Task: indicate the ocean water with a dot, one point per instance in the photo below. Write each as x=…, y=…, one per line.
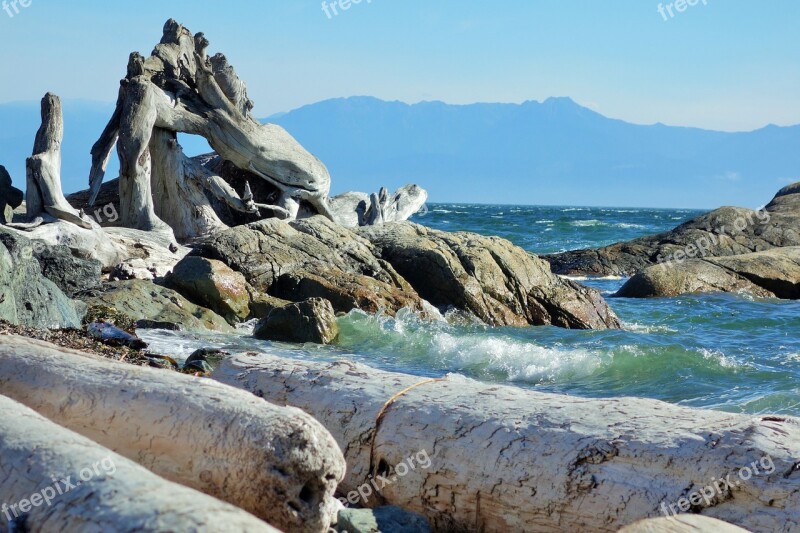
x=729, y=352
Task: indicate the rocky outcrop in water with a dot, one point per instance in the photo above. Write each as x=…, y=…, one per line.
x=773, y=273
x=393, y=266
x=723, y=232
x=489, y=277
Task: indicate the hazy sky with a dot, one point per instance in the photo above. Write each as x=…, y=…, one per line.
x=722, y=64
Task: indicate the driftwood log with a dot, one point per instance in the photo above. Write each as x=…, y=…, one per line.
x=275, y=462
x=52, y=479
x=179, y=89
x=43, y=193
x=506, y=459
x=686, y=523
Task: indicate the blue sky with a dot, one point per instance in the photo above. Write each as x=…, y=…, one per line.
x=725, y=64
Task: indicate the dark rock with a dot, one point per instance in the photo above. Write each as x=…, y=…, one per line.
x=142, y=300
x=114, y=336
x=26, y=297
x=10, y=197
x=162, y=361
x=153, y=324
x=773, y=273
x=71, y=274
x=390, y=519
x=262, y=304
x=724, y=232
x=499, y=283
x=310, y=321
x=214, y=285
x=204, y=360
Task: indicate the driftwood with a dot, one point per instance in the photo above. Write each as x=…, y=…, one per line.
x=179, y=89
x=43, y=194
x=52, y=479
x=506, y=459
x=690, y=523
x=275, y=462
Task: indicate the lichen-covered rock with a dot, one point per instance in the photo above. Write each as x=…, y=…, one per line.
x=27, y=298
x=722, y=232
x=312, y=258
x=772, y=273
x=70, y=273
x=498, y=282
x=312, y=320
x=143, y=300
x=214, y=285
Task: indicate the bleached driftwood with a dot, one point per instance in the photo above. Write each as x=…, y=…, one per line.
x=43, y=193
x=275, y=462
x=52, y=479
x=179, y=89
x=506, y=459
x=686, y=523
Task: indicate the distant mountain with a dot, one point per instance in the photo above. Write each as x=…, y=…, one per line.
x=553, y=152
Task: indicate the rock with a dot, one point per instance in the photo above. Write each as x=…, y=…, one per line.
x=143, y=300
x=27, y=298
x=499, y=283
x=84, y=243
x=773, y=273
x=10, y=197
x=154, y=324
x=312, y=320
x=723, y=232
x=204, y=360
x=390, y=519
x=262, y=304
x=683, y=523
x=71, y=274
x=214, y=285
x=312, y=258
x=114, y=336
x=146, y=254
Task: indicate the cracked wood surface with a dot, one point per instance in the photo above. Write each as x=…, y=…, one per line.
x=508, y=459
x=275, y=462
x=119, y=496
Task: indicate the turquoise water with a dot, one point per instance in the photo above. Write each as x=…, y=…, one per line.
x=720, y=351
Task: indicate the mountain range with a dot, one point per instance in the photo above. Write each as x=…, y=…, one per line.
x=554, y=152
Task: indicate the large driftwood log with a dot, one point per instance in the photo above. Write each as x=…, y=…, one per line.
x=52, y=479
x=507, y=459
x=275, y=462
x=180, y=89
x=44, y=192
x=689, y=523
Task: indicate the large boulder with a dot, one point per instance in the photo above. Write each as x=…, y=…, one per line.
x=214, y=285
x=722, y=232
x=389, y=519
x=498, y=282
x=28, y=298
x=772, y=273
x=312, y=258
x=310, y=321
x=142, y=300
